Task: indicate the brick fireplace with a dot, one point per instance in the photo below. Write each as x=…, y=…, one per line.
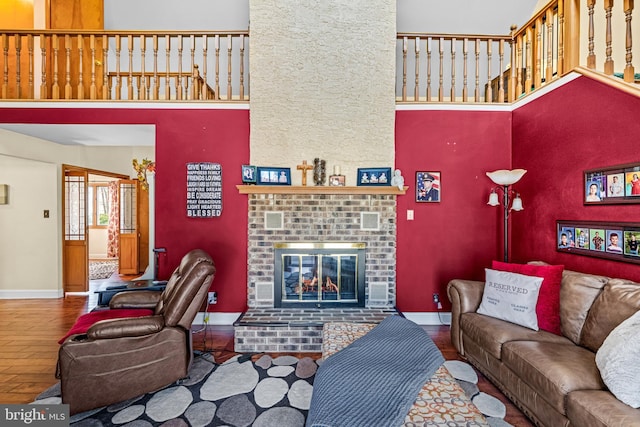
x=315, y=215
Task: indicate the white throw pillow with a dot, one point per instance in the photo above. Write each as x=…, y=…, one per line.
x=511, y=297
x=619, y=361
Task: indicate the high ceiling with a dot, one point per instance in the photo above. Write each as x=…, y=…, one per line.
x=89, y=135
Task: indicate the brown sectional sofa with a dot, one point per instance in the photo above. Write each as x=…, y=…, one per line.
x=553, y=379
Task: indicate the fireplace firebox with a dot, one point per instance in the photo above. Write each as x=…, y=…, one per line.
x=319, y=275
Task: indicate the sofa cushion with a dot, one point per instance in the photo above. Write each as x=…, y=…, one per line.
x=577, y=294
x=548, y=305
x=491, y=334
x=511, y=297
x=600, y=409
x=619, y=361
x=618, y=301
x=553, y=370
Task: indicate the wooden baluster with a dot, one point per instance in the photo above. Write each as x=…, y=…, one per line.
x=67, y=67
x=428, y=94
x=167, y=82
x=513, y=72
x=118, y=76
x=519, y=68
x=43, y=65
x=204, y=95
x=453, y=69
x=591, y=57
x=217, y=48
x=5, y=70
x=31, y=71
x=608, y=61
x=441, y=83
x=404, y=68
x=130, y=80
x=229, y=47
x=629, y=71
x=18, y=48
x=560, y=37
x=142, y=88
x=465, y=53
x=93, y=89
x=241, y=68
x=538, y=52
x=549, y=69
x=477, y=52
x=193, y=62
x=106, y=89
x=501, y=71
x=529, y=61
x=416, y=88
x=80, y=73
x=179, y=76
x=155, y=85
x=55, y=88
x=489, y=95
x=195, y=82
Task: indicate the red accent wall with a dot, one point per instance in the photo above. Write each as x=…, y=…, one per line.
x=460, y=236
x=183, y=136
x=582, y=125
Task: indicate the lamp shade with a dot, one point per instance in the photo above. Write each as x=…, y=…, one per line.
x=493, y=199
x=517, y=203
x=506, y=177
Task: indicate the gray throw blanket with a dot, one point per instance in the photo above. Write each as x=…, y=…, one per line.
x=374, y=381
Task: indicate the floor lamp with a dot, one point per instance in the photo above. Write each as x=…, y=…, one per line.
x=504, y=179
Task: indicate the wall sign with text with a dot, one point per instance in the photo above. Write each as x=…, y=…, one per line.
x=204, y=190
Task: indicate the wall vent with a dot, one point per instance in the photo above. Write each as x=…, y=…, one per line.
x=274, y=221
x=378, y=294
x=370, y=221
x=264, y=291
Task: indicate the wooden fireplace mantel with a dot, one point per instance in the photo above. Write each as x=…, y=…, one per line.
x=322, y=189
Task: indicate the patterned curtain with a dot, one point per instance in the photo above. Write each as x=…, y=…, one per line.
x=113, y=229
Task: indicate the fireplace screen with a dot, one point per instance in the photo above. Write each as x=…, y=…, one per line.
x=319, y=274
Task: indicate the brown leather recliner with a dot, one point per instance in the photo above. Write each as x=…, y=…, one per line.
x=123, y=358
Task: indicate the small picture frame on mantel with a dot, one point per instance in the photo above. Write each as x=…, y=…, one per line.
x=337, y=181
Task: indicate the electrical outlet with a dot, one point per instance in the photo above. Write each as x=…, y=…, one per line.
x=213, y=298
x=436, y=298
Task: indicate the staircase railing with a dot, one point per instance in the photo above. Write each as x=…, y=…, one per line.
x=210, y=66
x=134, y=65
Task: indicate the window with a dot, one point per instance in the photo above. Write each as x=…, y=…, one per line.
x=99, y=205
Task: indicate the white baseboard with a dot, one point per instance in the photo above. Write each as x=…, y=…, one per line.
x=31, y=294
x=220, y=319
x=420, y=318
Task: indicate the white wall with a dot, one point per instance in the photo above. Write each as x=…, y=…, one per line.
x=29, y=250
x=31, y=246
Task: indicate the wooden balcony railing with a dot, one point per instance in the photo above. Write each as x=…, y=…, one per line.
x=124, y=66
x=562, y=36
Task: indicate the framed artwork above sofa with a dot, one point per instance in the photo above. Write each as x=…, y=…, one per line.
x=618, y=241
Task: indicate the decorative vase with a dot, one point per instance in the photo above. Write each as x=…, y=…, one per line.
x=319, y=171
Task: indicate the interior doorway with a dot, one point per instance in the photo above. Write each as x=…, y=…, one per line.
x=105, y=226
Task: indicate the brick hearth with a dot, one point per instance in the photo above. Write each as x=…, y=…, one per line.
x=295, y=330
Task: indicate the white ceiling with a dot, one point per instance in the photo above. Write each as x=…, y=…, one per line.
x=90, y=135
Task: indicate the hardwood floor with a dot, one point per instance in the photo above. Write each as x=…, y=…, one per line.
x=30, y=329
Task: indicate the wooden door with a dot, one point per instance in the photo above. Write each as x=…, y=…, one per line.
x=75, y=254
x=129, y=237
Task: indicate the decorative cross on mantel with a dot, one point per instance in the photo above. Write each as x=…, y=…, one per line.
x=304, y=167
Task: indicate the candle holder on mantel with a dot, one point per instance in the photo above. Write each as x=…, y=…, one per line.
x=337, y=179
x=319, y=171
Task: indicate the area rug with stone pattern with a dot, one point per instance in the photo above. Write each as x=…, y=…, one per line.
x=269, y=392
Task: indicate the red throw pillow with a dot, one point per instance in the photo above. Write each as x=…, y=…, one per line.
x=85, y=321
x=548, y=306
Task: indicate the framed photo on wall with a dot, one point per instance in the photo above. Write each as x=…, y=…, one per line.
x=612, y=185
x=618, y=241
x=428, y=187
